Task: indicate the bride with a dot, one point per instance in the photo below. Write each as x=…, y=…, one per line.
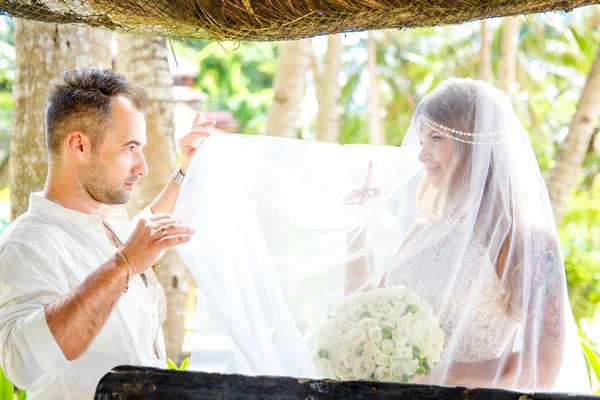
x=459, y=214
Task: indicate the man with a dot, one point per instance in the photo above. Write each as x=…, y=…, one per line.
x=77, y=294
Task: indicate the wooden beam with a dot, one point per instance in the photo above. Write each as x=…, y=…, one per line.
x=149, y=383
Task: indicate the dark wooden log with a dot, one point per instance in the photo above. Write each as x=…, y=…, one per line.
x=149, y=383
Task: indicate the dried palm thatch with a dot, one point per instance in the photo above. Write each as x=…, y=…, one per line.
x=262, y=20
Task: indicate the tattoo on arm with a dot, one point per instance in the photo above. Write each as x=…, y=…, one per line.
x=545, y=303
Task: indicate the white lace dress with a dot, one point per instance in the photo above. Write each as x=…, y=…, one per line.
x=467, y=297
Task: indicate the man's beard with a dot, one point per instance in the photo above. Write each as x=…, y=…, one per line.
x=96, y=183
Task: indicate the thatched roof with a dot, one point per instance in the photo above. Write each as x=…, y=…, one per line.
x=270, y=19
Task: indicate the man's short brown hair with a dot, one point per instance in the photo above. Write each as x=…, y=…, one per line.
x=82, y=100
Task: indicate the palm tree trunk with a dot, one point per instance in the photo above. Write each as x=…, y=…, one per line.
x=376, y=135
x=144, y=59
x=295, y=61
x=508, y=55
x=328, y=91
x=571, y=154
x=43, y=52
x=485, y=64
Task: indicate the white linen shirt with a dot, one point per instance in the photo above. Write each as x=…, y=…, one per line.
x=45, y=254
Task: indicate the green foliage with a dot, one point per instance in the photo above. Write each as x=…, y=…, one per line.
x=8, y=391
x=7, y=61
x=6, y=113
x=184, y=364
x=580, y=238
x=592, y=361
x=237, y=78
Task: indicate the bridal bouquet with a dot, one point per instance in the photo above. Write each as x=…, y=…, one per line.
x=386, y=334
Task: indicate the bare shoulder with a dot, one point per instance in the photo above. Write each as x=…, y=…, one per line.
x=418, y=225
x=415, y=228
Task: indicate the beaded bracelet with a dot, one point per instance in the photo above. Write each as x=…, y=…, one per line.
x=129, y=272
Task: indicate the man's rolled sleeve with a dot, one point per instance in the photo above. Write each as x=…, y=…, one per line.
x=30, y=355
x=43, y=345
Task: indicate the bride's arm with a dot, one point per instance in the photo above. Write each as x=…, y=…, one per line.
x=537, y=365
x=358, y=269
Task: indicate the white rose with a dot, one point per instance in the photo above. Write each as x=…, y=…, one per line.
x=397, y=369
x=387, y=346
x=383, y=374
x=375, y=334
x=404, y=367
x=419, y=333
x=324, y=367
x=370, y=348
x=342, y=372
x=427, y=350
x=364, y=366
x=368, y=323
x=382, y=358
x=411, y=365
x=403, y=352
x=335, y=355
x=347, y=325
x=384, y=307
x=324, y=334
x=380, y=316
x=399, y=292
x=353, y=302
x=348, y=359
x=329, y=373
x=342, y=325
x=406, y=320
x=375, y=296
x=400, y=336
x=355, y=337
x=355, y=313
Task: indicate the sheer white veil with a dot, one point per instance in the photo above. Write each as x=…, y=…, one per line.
x=281, y=237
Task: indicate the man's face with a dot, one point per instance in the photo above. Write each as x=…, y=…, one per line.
x=117, y=163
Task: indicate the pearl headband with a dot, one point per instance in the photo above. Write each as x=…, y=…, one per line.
x=443, y=129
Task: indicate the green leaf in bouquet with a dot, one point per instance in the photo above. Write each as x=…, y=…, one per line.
x=416, y=351
x=329, y=316
x=405, y=379
x=410, y=308
x=323, y=353
x=365, y=314
x=426, y=365
x=360, y=350
x=421, y=371
x=387, y=332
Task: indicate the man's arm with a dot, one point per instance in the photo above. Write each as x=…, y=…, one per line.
x=76, y=318
x=166, y=200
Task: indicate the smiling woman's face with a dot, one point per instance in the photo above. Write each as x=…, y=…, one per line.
x=436, y=153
